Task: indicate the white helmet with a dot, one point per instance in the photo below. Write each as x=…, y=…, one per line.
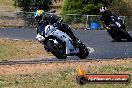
x=103, y=9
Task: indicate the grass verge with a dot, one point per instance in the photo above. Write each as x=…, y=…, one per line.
x=60, y=75
x=20, y=49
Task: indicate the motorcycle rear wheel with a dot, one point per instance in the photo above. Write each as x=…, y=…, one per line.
x=84, y=52
x=127, y=36
x=114, y=35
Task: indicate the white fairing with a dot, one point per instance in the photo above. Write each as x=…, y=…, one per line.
x=50, y=30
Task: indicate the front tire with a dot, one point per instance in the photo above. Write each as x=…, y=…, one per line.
x=56, y=51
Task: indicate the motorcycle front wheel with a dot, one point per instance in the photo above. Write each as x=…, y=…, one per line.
x=56, y=49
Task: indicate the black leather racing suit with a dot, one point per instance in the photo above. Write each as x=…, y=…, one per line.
x=106, y=20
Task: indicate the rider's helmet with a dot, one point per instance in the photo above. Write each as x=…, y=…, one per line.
x=103, y=10
x=39, y=13
x=39, y=16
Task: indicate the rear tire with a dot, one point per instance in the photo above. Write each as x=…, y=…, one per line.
x=127, y=36
x=55, y=50
x=84, y=52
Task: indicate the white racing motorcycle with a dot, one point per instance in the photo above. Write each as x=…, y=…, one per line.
x=61, y=45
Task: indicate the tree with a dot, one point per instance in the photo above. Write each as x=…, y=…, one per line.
x=91, y=7
x=82, y=6
x=121, y=7
x=31, y=5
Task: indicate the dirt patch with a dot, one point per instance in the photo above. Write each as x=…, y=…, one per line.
x=46, y=68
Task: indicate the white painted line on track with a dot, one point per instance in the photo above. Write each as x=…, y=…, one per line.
x=17, y=39
x=14, y=39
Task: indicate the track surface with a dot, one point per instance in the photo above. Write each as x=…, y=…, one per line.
x=99, y=41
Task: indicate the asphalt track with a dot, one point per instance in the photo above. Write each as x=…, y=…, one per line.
x=100, y=43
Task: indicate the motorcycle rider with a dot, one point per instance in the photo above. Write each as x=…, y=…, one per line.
x=106, y=17
x=43, y=19
x=107, y=20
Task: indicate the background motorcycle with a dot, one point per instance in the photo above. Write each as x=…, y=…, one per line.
x=118, y=30
x=61, y=45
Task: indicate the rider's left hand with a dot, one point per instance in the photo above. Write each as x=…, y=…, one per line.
x=54, y=25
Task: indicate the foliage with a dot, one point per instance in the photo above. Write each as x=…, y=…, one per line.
x=82, y=6
x=91, y=7
x=31, y=5
x=121, y=7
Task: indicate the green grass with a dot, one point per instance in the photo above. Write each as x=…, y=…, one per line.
x=115, y=68
x=7, y=51
x=59, y=79
x=15, y=50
